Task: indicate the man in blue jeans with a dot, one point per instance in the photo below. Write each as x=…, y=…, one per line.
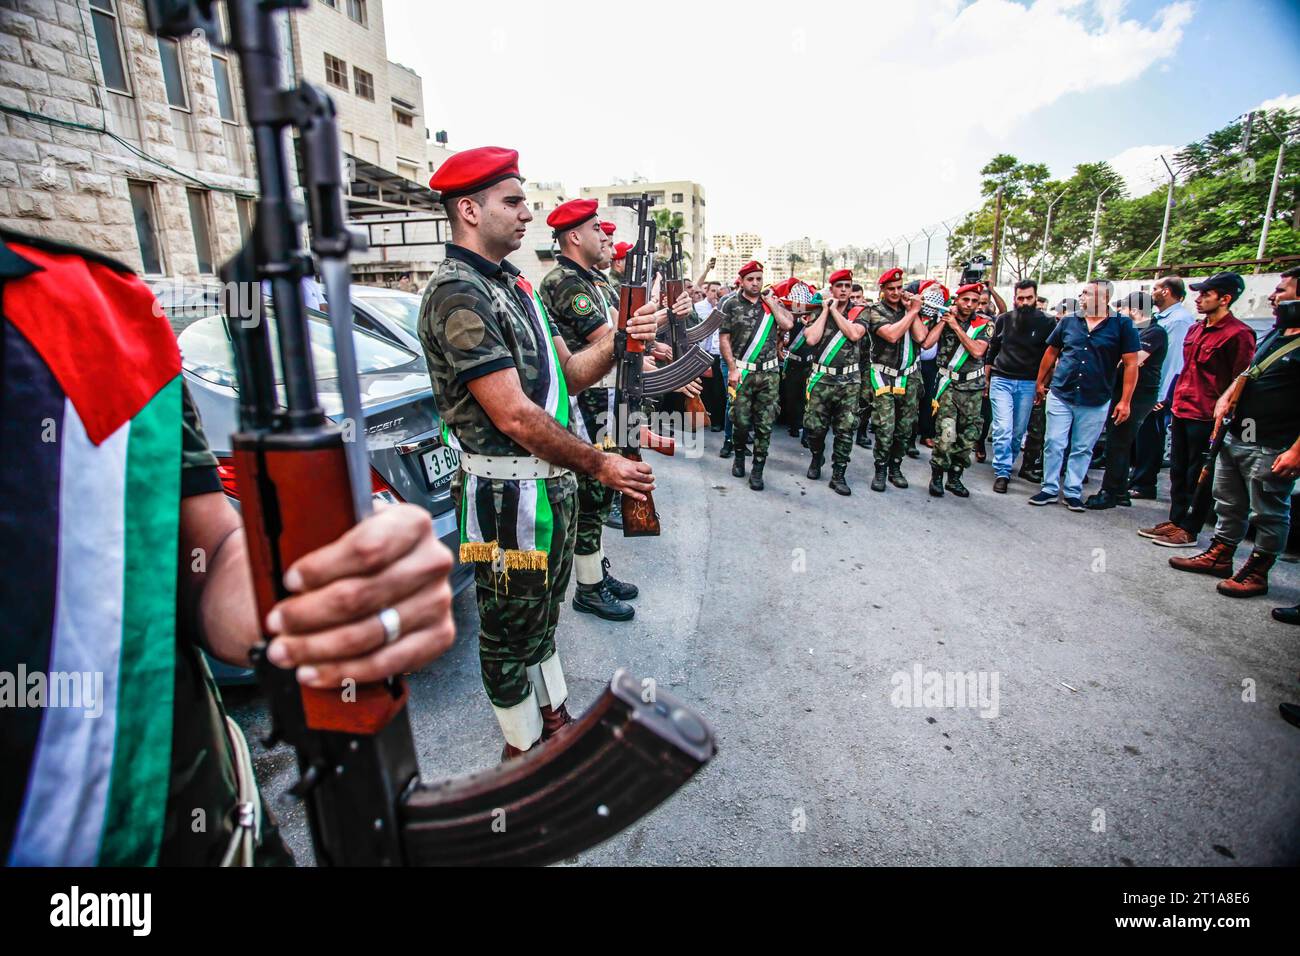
x=1090, y=346
x=1014, y=355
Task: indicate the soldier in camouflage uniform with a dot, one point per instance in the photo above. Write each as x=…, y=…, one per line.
x=748, y=344
x=834, y=380
x=577, y=297
x=963, y=339
x=501, y=376
x=894, y=375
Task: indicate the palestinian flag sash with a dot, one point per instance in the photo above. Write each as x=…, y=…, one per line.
x=89, y=530
x=756, y=342
x=880, y=384
x=959, y=357
x=795, y=346
x=510, y=522
x=831, y=350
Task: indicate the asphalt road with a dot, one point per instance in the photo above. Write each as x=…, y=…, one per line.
x=793, y=619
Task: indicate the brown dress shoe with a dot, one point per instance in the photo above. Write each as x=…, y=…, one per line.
x=1162, y=528
x=1252, y=579
x=1216, y=560
x=554, y=720
x=1178, y=538
x=510, y=753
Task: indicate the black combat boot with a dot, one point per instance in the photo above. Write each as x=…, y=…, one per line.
x=838, y=484
x=864, y=434
x=912, y=450
x=615, y=519
x=818, y=448
x=954, y=484
x=596, y=599
x=878, y=482
x=936, y=481
x=896, y=477
x=756, y=474
x=726, y=449
x=738, y=466
x=620, y=589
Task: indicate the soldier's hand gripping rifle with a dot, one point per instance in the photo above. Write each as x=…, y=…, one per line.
x=633, y=383
x=303, y=485
x=675, y=332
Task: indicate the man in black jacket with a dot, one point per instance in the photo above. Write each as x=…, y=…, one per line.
x=1015, y=352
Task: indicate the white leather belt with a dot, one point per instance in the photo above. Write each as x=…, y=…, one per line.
x=832, y=370
x=961, y=376
x=893, y=372
x=509, y=467
x=760, y=367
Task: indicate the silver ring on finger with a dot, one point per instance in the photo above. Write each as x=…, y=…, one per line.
x=391, y=622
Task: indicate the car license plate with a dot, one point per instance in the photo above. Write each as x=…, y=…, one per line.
x=440, y=464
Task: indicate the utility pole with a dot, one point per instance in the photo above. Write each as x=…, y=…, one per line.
x=1092, y=244
x=1047, y=231
x=1272, y=192
x=947, y=253
x=1169, y=207
x=997, y=234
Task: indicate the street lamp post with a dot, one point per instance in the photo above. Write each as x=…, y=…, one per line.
x=1092, y=244
x=925, y=273
x=1047, y=231
x=1272, y=192
x=1169, y=206
x=947, y=252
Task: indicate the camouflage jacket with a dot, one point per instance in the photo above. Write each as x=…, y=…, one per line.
x=607, y=285
x=741, y=319
x=948, y=343
x=474, y=320
x=848, y=354
x=577, y=304
x=882, y=352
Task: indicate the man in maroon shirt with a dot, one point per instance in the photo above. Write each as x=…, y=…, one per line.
x=1216, y=350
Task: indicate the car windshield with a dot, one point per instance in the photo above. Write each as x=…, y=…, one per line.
x=402, y=309
x=206, y=352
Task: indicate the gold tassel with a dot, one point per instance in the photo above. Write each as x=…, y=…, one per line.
x=474, y=552
x=526, y=560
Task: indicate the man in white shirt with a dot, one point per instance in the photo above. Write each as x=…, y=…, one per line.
x=1175, y=318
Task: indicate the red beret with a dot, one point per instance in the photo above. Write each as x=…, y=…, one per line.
x=750, y=266
x=572, y=214
x=475, y=169
x=843, y=275
x=893, y=275
x=609, y=228
x=976, y=287
x=621, y=249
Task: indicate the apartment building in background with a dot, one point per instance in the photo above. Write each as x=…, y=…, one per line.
x=679, y=196
x=120, y=141
x=733, y=250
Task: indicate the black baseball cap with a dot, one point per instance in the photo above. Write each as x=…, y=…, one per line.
x=1224, y=283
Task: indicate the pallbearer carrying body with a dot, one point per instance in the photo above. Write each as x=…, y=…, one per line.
x=895, y=376
x=833, y=380
x=748, y=344
x=963, y=336
x=502, y=375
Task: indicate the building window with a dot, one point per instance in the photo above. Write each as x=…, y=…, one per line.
x=368, y=149
x=403, y=119
x=169, y=51
x=336, y=72
x=146, y=226
x=244, y=211
x=349, y=145
x=678, y=197
x=357, y=11
x=364, y=85
x=198, y=200
x=225, y=92
x=332, y=4
x=108, y=38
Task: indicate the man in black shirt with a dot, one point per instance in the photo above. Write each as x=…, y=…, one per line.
x=1015, y=352
x=1119, y=438
x=1260, y=459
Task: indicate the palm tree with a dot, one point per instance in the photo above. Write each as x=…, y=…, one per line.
x=666, y=219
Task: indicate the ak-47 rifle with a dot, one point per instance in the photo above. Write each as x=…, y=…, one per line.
x=674, y=284
x=633, y=383
x=303, y=484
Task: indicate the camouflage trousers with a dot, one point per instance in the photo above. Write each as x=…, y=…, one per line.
x=892, y=419
x=518, y=612
x=866, y=395
x=754, y=409
x=594, y=499
x=957, y=426
x=833, y=406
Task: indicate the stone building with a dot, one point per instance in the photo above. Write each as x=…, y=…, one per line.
x=121, y=141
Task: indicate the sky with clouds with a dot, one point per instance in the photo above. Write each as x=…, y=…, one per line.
x=841, y=122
